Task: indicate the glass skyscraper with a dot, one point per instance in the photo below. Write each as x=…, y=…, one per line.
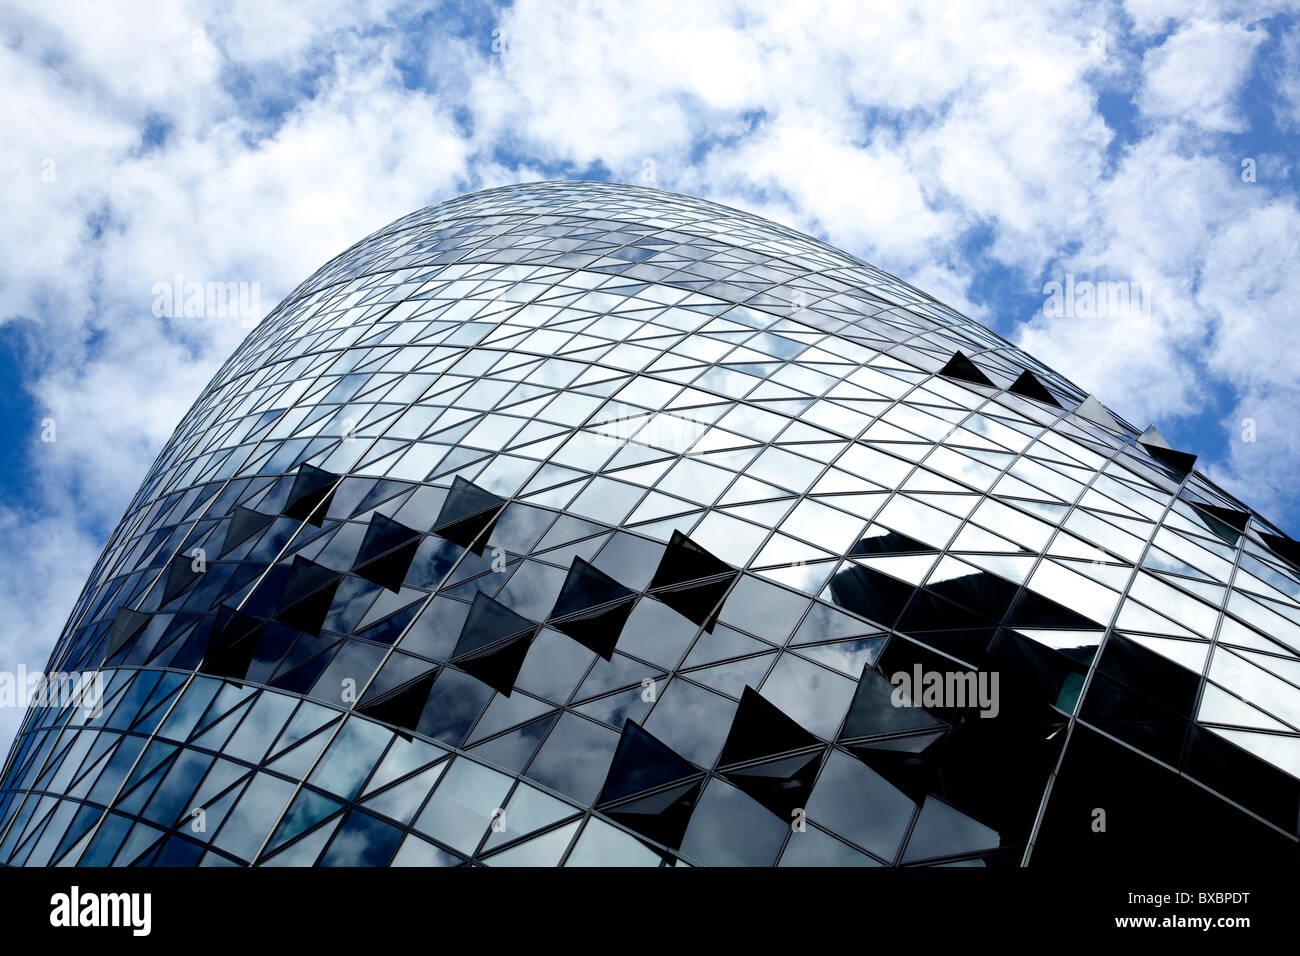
x=586, y=524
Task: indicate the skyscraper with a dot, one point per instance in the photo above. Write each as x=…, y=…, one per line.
x=579, y=523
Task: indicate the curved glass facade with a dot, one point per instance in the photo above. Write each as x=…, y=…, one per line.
x=586, y=524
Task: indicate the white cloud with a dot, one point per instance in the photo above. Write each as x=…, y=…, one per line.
x=213, y=209
x=1250, y=291
x=55, y=553
x=980, y=110
x=1287, y=77
x=1155, y=16
x=1139, y=233
x=1195, y=76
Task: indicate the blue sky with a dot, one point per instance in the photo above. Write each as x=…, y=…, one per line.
x=979, y=150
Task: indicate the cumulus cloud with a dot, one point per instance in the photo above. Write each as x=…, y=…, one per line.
x=1138, y=235
x=1286, y=74
x=1195, y=76
x=1251, y=297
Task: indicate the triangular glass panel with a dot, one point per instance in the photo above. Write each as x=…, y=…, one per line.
x=180, y=575
x=1092, y=411
x=1284, y=547
x=386, y=552
x=308, y=593
x=961, y=367
x=244, y=523
x=308, y=809
x=869, y=593
x=309, y=496
x=847, y=657
x=126, y=626
x=231, y=646
x=641, y=763
x=881, y=540
x=466, y=513
x=1153, y=437
x=1029, y=386
x=1034, y=610
x=662, y=816
x=873, y=711
x=1180, y=462
x=1235, y=520
x=493, y=643
x=684, y=562
x=402, y=707
x=907, y=762
x=823, y=623
x=592, y=608
x=760, y=729
x=782, y=785
x=942, y=830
